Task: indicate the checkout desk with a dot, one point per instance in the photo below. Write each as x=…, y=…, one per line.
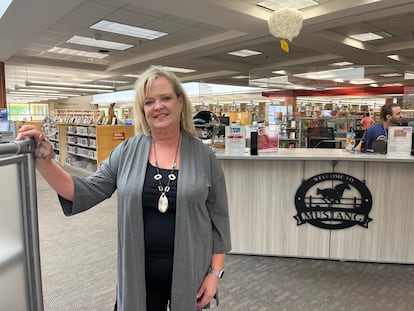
x=289, y=204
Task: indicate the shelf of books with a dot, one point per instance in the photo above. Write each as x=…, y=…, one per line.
x=86, y=146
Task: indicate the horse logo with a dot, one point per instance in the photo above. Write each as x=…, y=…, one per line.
x=323, y=202
x=333, y=195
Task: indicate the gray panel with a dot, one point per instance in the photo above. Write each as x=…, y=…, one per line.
x=20, y=277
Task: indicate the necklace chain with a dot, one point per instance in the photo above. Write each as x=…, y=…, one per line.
x=163, y=200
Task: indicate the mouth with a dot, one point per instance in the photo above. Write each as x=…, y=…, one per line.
x=161, y=115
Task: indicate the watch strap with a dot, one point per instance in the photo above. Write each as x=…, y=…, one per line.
x=216, y=273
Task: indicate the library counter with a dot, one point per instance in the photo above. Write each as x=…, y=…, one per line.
x=322, y=203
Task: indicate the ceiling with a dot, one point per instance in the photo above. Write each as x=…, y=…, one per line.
x=200, y=35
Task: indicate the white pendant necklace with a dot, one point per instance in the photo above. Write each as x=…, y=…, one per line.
x=163, y=200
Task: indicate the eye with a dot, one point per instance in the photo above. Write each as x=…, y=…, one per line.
x=166, y=98
x=148, y=102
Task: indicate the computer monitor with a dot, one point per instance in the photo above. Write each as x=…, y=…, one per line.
x=224, y=121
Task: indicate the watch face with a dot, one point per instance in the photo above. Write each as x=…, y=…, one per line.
x=221, y=273
x=218, y=274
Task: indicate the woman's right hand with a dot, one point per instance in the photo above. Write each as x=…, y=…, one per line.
x=44, y=148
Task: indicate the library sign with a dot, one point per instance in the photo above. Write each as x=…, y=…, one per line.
x=333, y=201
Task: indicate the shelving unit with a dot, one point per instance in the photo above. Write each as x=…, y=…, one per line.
x=75, y=116
x=86, y=146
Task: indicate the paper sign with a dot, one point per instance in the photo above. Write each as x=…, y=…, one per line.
x=399, y=140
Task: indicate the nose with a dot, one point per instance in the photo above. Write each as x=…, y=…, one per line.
x=157, y=104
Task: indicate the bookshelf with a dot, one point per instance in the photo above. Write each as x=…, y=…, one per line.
x=86, y=146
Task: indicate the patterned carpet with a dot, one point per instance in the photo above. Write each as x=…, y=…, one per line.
x=78, y=271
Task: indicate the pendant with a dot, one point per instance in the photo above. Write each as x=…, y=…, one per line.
x=163, y=203
x=158, y=176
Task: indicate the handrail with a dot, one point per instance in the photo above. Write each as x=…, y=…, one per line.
x=26, y=145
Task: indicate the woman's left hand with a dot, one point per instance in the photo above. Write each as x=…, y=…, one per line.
x=207, y=290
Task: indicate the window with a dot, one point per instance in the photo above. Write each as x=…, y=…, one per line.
x=28, y=111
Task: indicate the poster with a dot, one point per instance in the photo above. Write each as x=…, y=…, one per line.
x=268, y=139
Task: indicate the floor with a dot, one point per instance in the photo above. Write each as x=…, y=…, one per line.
x=78, y=257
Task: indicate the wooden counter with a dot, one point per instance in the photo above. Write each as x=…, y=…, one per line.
x=262, y=192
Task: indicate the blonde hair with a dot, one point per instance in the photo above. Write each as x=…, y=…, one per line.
x=142, y=87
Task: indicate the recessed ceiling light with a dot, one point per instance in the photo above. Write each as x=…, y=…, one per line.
x=293, y=4
x=245, y=53
x=99, y=43
x=128, y=30
x=367, y=36
x=77, y=53
x=341, y=64
x=176, y=69
x=389, y=75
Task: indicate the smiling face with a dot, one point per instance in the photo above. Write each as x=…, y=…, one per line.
x=162, y=107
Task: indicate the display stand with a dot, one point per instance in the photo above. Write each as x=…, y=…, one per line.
x=20, y=274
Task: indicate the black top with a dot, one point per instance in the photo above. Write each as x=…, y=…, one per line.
x=159, y=228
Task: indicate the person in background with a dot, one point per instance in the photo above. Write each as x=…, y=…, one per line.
x=366, y=121
x=390, y=115
x=173, y=221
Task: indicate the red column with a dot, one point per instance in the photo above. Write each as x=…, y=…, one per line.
x=2, y=87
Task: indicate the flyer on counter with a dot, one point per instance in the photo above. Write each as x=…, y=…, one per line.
x=399, y=140
x=235, y=142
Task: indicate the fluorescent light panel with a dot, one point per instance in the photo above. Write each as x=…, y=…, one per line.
x=408, y=75
x=177, y=69
x=58, y=84
x=132, y=76
x=293, y=4
x=279, y=72
x=240, y=77
x=339, y=64
x=99, y=43
x=23, y=88
x=69, y=89
x=367, y=36
x=390, y=75
x=114, y=81
x=72, y=52
x=245, y=53
x=394, y=57
x=128, y=30
x=362, y=81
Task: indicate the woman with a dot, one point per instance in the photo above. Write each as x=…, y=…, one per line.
x=173, y=221
x=366, y=121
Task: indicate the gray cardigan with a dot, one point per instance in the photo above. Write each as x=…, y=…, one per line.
x=202, y=222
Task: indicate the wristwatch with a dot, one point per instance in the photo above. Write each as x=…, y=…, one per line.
x=216, y=273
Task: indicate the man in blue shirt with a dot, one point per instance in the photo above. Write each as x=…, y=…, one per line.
x=390, y=115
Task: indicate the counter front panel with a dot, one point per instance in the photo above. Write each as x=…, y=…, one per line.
x=261, y=193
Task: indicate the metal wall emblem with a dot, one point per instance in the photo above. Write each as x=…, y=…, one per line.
x=333, y=201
